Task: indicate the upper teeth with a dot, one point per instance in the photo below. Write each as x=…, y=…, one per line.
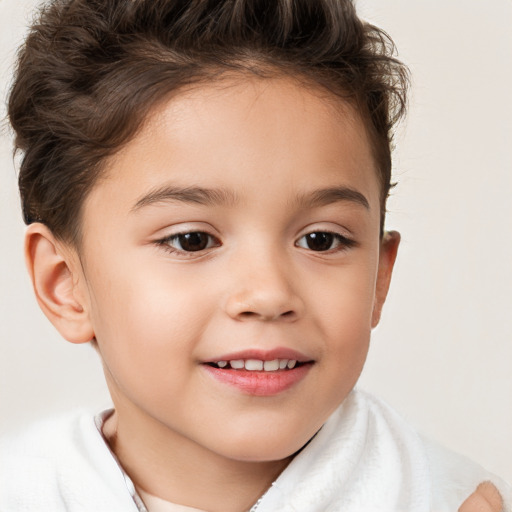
x=258, y=365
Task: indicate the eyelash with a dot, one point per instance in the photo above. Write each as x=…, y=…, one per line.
x=166, y=242
x=343, y=243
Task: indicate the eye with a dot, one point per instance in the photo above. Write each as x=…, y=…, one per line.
x=322, y=241
x=193, y=241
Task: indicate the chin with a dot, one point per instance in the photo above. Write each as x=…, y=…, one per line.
x=266, y=448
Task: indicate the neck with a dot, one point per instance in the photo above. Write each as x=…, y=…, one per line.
x=175, y=468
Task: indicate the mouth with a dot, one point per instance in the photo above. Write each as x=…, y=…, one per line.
x=260, y=373
x=257, y=365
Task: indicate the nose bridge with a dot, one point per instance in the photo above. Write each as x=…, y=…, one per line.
x=263, y=285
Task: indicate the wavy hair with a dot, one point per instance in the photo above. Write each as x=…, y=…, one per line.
x=90, y=70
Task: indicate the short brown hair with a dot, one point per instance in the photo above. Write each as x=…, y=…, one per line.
x=90, y=70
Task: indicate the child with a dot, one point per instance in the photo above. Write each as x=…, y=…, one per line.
x=205, y=187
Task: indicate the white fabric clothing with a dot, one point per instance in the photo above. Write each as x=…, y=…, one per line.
x=364, y=459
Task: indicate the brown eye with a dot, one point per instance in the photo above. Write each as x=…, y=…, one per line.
x=194, y=241
x=321, y=241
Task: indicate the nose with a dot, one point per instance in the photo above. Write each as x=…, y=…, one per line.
x=264, y=291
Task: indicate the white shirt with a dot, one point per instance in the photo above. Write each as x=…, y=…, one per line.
x=364, y=459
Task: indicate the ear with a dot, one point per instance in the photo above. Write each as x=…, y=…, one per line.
x=58, y=283
x=387, y=256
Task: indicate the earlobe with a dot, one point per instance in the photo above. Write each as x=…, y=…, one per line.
x=53, y=272
x=387, y=256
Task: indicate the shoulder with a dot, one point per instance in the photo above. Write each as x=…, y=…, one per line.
x=60, y=464
x=46, y=434
x=453, y=477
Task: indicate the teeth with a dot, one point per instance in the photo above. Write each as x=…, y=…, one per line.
x=271, y=366
x=257, y=365
x=253, y=365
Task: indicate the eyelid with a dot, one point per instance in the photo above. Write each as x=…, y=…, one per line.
x=182, y=228
x=327, y=227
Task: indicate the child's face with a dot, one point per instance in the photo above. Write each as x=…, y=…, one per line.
x=278, y=191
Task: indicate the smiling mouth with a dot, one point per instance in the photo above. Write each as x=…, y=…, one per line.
x=257, y=365
x=260, y=373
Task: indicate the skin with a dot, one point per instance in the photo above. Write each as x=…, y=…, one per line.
x=159, y=312
x=486, y=498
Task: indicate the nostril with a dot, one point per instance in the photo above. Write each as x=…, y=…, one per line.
x=247, y=315
x=286, y=316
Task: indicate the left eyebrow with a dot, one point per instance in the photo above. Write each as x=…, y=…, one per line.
x=197, y=195
x=326, y=196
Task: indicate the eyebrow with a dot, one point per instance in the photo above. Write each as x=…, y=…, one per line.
x=326, y=196
x=214, y=196
x=197, y=195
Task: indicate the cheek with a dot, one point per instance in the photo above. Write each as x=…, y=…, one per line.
x=344, y=312
x=344, y=300
x=146, y=321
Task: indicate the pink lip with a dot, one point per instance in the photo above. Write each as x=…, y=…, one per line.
x=261, y=383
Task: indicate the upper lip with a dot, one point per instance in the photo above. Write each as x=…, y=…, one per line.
x=263, y=355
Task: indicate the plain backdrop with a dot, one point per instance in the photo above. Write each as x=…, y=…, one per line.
x=442, y=355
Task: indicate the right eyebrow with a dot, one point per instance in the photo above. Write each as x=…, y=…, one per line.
x=197, y=195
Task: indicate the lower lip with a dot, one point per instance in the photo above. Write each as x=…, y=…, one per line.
x=260, y=383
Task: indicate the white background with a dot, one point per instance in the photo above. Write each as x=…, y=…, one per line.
x=442, y=355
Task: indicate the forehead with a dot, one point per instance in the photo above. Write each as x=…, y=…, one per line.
x=272, y=135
